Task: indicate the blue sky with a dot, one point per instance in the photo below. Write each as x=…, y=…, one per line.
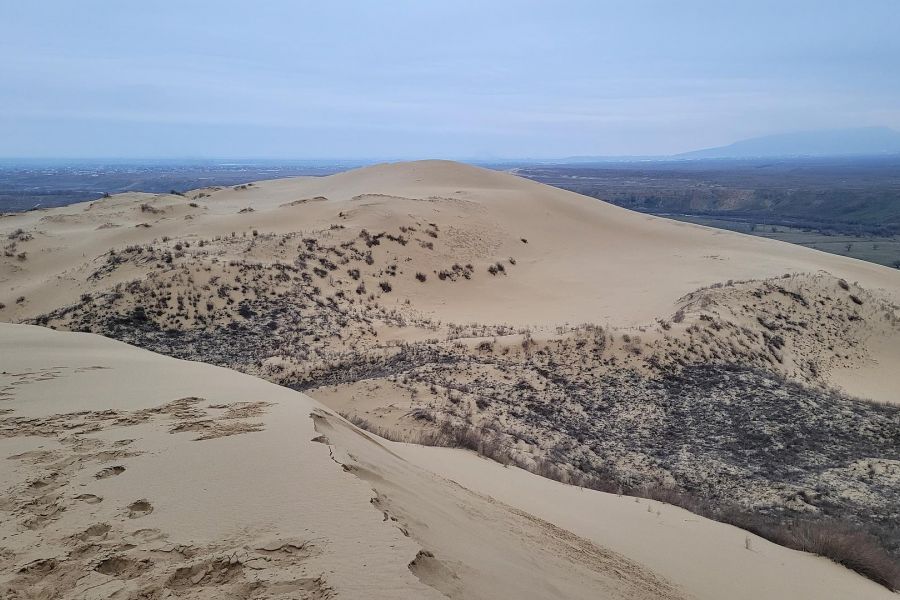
x=455, y=79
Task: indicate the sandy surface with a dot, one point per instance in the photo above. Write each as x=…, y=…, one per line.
x=131, y=475
x=297, y=525
x=710, y=560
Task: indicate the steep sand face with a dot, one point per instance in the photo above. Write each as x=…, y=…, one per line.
x=697, y=555
x=131, y=475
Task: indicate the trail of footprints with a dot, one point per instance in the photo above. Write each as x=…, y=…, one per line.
x=113, y=559
x=186, y=412
x=107, y=562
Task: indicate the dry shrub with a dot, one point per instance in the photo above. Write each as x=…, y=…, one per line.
x=840, y=542
x=831, y=539
x=853, y=549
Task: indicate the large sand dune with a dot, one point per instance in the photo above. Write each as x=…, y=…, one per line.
x=592, y=344
x=584, y=260
x=131, y=475
x=576, y=260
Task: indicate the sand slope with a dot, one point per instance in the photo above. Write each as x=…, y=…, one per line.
x=584, y=260
x=710, y=560
x=107, y=495
x=131, y=475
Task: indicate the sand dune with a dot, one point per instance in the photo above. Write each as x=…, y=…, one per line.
x=596, y=345
x=584, y=260
x=577, y=259
x=131, y=475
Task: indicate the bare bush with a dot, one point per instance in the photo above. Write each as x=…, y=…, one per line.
x=831, y=539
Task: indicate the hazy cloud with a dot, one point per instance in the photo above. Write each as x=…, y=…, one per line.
x=454, y=79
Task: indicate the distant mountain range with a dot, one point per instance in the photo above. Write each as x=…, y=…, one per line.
x=837, y=142
x=860, y=141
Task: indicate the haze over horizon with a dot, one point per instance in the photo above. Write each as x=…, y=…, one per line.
x=449, y=80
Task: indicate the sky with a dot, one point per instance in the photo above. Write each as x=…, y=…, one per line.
x=436, y=79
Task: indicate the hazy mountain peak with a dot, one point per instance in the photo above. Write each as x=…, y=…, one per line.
x=832, y=142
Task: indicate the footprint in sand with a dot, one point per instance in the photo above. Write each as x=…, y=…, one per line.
x=139, y=508
x=122, y=567
x=98, y=530
x=44, y=484
x=89, y=498
x=213, y=572
x=145, y=535
x=110, y=472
